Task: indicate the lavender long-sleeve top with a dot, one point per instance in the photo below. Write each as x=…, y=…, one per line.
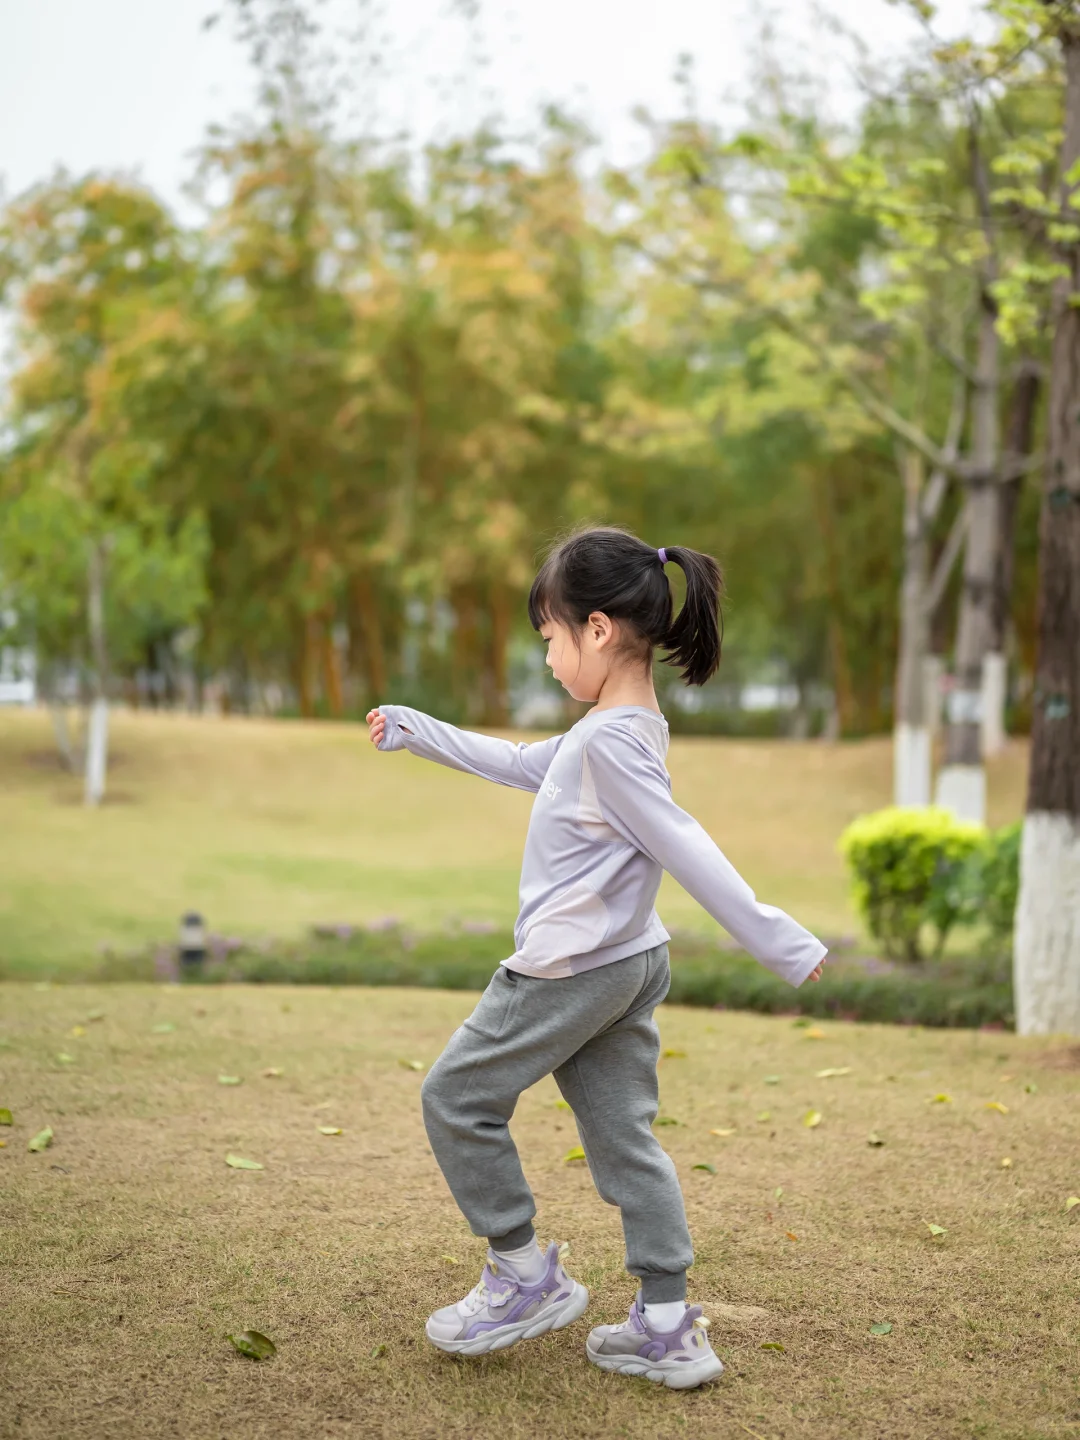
x=604, y=828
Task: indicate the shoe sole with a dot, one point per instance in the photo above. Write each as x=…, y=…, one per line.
x=680, y=1375
x=571, y=1309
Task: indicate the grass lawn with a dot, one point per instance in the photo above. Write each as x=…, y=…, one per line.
x=267, y=827
x=128, y=1249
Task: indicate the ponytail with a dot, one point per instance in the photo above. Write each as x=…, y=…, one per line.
x=607, y=569
x=695, y=638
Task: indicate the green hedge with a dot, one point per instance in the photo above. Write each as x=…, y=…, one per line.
x=970, y=993
x=918, y=873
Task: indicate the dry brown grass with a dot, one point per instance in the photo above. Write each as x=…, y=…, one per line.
x=270, y=826
x=129, y=1248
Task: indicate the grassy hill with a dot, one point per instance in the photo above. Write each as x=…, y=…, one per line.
x=269, y=826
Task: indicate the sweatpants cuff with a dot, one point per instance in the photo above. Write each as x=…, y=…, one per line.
x=513, y=1239
x=655, y=1289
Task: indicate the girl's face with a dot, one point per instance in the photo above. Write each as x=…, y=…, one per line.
x=580, y=668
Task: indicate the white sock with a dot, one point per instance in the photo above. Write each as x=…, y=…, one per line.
x=528, y=1261
x=665, y=1315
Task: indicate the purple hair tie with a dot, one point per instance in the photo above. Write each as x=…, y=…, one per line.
x=663, y=555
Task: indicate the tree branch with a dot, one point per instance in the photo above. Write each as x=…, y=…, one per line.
x=946, y=560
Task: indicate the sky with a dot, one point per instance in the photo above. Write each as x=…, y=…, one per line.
x=131, y=85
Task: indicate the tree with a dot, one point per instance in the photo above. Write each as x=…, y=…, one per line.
x=92, y=557
x=1047, y=945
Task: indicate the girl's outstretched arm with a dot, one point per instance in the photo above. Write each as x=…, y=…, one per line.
x=396, y=727
x=634, y=793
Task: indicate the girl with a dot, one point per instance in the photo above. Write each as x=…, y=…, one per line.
x=576, y=998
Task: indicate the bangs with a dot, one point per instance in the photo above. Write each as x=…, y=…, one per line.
x=547, y=599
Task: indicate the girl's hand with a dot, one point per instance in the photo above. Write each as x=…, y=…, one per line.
x=376, y=726
x=816, y=974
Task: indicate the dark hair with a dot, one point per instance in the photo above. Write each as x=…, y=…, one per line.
x=607, y=569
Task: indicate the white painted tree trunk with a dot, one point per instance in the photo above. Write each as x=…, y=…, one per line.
x=961, y=784
x=97, y=751
x=911, y=765
x=962, y=789
x=1046, y=948
x=97, y=730
x=1047, y=940
x=994, y=696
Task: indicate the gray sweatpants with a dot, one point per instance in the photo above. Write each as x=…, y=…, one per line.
x=595, y=1032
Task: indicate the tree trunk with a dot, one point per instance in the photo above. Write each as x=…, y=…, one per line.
x=911, y=736
x=97, y=734
x=331, y=668
x=309, y=651
x=1047, y=943
x=366, y=637
x=843, y=689
x=962, y=782
x=1023, y=404
x=496, y=688
x=467, y=667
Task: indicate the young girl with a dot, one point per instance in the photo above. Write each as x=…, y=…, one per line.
x=576, y=998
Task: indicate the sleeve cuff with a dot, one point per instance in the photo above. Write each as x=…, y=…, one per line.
x=811, y=964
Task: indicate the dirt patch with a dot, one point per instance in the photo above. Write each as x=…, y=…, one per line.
x=124, y=1267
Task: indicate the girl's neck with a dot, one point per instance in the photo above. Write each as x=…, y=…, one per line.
x=627, y=689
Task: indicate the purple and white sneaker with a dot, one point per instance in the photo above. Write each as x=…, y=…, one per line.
x=679, y=1358
x=503, y=1309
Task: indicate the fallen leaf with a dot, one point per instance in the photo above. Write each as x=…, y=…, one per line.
x=772, y=1080
x=562, y=1105
x=833, y=1073
x=1031, y=1089
x=1006, y=1164
x=228, y=1080
x=78, y=1030
x=273, y=1073
x=815, y=1034
x=935, y=1229
x=673, y=1055
x=411, y=1064
x=65, y=1058
x=239, y=1163
x=1072, y=1202
x=41, y=1141
x=253, y=1345
x=331, y=1130
x=165, y=1028
x=3, y=1144
x=778, y=1192
x=6, y=1118
x=801, y=1023
x=997, y=1105
x=721, y=1132
x=96, y=1015
x=666, y=1120
x=790, y=1235
x=575, y=1153
x=881, y=1328
x=764, y=1115
x=875, y=1140
x=773, y=1345
x=704, y=1165
x=451, y=1260
x=940, y=1100
x=812, y=1119
x=377, y=1351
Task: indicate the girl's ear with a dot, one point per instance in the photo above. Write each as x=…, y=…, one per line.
x=601, y=627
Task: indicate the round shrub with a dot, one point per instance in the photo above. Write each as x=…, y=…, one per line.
x=905, y=867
